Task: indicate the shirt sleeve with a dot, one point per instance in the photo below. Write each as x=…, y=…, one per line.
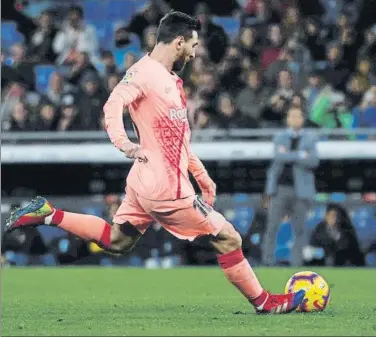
x=195, y=166
x=129, y=90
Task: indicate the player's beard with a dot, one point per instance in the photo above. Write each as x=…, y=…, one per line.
x=179, y=64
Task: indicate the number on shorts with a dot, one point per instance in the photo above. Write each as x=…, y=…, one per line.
x=201, y=206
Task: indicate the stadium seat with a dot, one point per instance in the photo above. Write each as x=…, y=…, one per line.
x=49, y=233
x=18, y=259
x=93, y=210
x=35, y=8
x=135, y=261
x=106, y=262
x=42, y=74
x=371, y=259
x=337, y=197
x=240, y=197
x=139, y=5
x=366, y=233
x=48, y=260
x=119, y=55
x=10, y=35
x=116, y=10
x=105, y=33
x=230, y=25
x=93, y=10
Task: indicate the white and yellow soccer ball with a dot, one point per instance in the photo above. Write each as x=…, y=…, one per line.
x=317, y=290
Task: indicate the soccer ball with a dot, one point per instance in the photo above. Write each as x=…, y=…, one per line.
x=317, y=290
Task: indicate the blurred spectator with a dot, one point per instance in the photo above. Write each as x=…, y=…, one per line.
x=365, y=114
x=336, y=70
x=80, y=67
x=24, y=69
x=369, y=47
x=75, y=37
x=68, y=120
x=249, y=45
x=214, y=37
x=19, y=119
x=359, y=82
x=109, y=62
x=261, y=13
x=229, y=70
x=112, y=80
x=291, y=22
x=351, y=41
x=228, y=116
x=150, y=16
x=122, y=37
x=251, y=100
x=336, y=236
x=274, y=112
x=13, y=94
x=40, y=47
x=56, y=88
x=113, y=202
x=197, y=68
x=149, y=38
x=298, y=102
x=47, y=118
x=10, y=12
x=91, y=101
x=315, y=39
x=273, y=49
x=129, y=60
x=316, y=83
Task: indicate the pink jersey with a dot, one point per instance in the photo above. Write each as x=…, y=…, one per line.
x=157, y=106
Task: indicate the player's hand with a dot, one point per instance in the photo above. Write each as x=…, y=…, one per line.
x=134, y=151
x=208, y=188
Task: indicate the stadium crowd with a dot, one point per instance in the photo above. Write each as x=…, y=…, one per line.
x=246, y=77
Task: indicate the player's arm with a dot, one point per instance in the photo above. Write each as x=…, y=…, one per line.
x=206, y=184
x=123, y=95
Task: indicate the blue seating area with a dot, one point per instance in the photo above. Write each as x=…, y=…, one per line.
x=230, y=25
x=10, y=35
x=42, y=75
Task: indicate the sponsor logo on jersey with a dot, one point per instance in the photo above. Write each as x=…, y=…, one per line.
x=178, y=114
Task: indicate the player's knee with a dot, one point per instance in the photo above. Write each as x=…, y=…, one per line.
x=122, y=240
x=227, y=240
x=234, y=241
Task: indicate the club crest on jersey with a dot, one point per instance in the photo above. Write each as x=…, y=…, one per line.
x=127, y=79
x=178, y=114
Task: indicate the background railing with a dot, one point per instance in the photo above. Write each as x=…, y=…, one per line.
x=208, y=134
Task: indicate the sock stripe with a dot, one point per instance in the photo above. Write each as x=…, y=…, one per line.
x=57, y=217
x=106, y=236
x=230, y=259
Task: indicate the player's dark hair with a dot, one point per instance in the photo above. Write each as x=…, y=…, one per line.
x=176, y=24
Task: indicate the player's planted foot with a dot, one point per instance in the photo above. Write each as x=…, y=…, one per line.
x=33, y=214
x=268, y=303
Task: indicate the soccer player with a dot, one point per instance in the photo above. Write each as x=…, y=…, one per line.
x=158, y=186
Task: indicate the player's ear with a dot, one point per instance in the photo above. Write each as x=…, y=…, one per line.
x=180, y=42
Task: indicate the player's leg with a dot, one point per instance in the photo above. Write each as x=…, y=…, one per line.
x=130, y=223
x=191, y=218
x=228, y=244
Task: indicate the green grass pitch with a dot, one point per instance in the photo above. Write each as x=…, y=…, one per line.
x=182, y=301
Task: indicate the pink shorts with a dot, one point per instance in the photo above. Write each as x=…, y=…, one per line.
x=186, y=218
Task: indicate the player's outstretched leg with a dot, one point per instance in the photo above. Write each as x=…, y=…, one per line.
x=116, y=239
x=228, y=245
